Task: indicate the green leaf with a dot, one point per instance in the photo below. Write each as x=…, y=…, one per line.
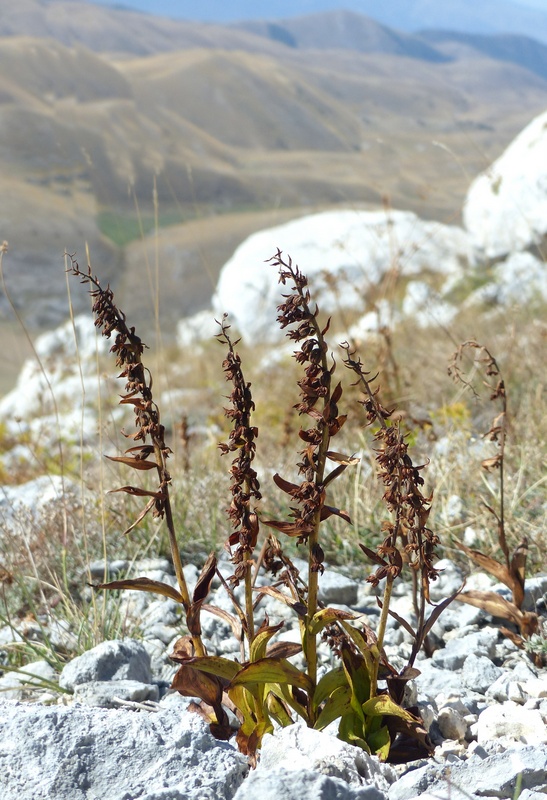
x=144, y=585
x=326, y=616
x=338, y=705
x=380, y=743
x=331, y=681
x=283, y=690
x=215, y=665
x=276, y=707
x=351, y=730
x=260, y=642
x=383, y=704
x=269, y=670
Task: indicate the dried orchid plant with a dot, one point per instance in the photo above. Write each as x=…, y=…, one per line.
x=265, y=689
x=512, y=572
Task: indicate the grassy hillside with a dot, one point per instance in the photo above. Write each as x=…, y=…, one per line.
x=198, y=128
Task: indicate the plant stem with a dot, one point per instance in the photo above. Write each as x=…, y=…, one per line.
x=381, y=633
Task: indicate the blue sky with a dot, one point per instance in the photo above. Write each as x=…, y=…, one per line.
x=172, y=7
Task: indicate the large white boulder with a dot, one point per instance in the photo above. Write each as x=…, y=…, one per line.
x=343, y=253
x=506, y=206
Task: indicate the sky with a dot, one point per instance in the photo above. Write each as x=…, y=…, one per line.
x=171, y=8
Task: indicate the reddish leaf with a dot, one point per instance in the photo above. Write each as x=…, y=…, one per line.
x=374, y=557
x=496, y=569
x=340, y=458
x=296, y=605
x=144, y=585
x=136, y=492
x=285, y=486
x=328, y=511
x=136, y=463
x=518, y=571
x=203, y=585
x=283, y=650
x=224, y=615
x=149, y=506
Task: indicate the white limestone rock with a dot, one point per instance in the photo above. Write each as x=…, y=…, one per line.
x=512, y=722
x=298, y=748
x=352, y=249
x=506, y=206
x=79, y=753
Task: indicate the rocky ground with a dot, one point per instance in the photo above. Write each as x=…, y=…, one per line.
x=117, y=731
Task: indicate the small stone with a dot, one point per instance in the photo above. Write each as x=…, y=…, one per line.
x=450, y=750
x=449, y=581
x=479, y=673
x=516, y=693
x=451, y=724
x=119, y=659
x=536, y=687
x=433, y=681
x=337, y=588
x=427, y=713
x=106, y=694
x=480, y=643
x=412, y=784
x=165, y=633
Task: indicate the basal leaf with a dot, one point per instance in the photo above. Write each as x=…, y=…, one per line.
x=283, y=649
x=380, y=743
x=191, y=682
x=269, y=670
x=518, y=571
x=278, y=710
x=213, y=665
x=338, y=704
x=382, y=704
x=260, y=642
x=496, y=569
x=493, y=604
x=332, y=680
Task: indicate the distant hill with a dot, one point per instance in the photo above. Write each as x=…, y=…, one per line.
x=521, y=50
x=343, y=30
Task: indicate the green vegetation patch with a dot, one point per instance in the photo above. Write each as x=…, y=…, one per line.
x=123, y=227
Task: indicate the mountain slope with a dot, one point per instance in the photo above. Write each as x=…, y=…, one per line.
x=115, y=30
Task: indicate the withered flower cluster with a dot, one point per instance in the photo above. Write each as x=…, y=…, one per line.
x=407, y=537
x=315, y=390
x=128, y=349
x=244, y=481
